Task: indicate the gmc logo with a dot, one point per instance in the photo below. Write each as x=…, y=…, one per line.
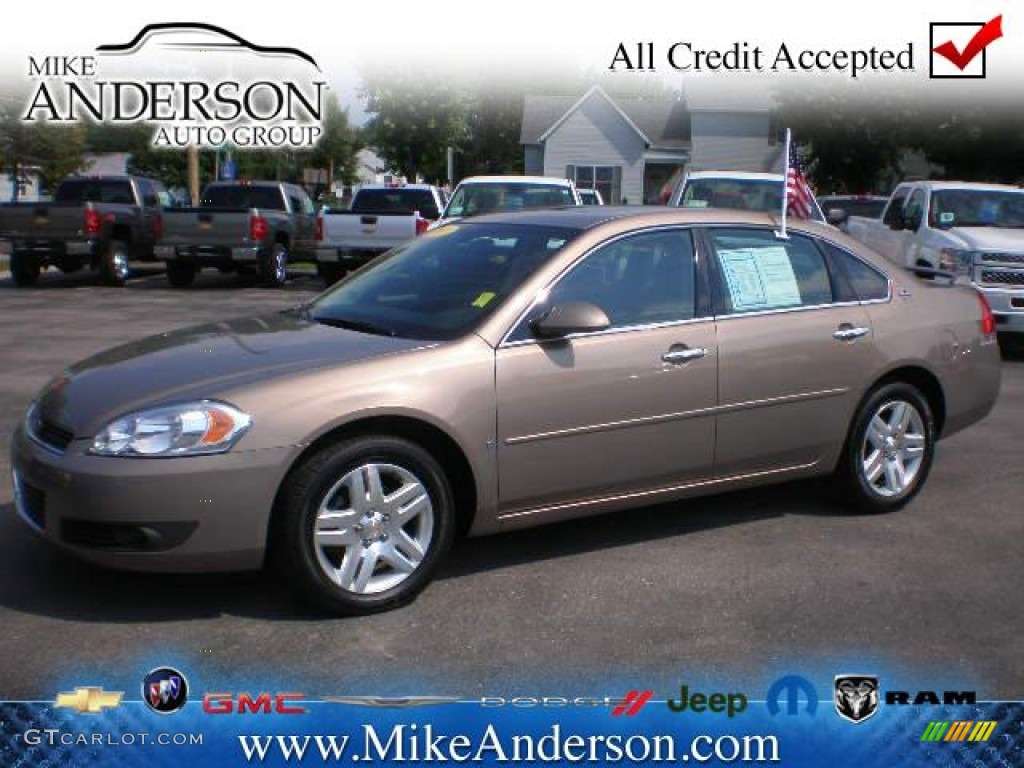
x=264, y=703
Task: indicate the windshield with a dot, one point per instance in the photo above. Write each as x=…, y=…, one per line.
x=976, y=208
x=403, y=201
x=440, y=285
x=488, y=197
x=739, y=194
x=95, y=191
x=242, y=196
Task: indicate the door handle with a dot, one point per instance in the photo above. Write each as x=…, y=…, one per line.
x=848, y=332
x=683, y=354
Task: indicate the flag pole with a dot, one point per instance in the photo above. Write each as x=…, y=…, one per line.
x=785, y=190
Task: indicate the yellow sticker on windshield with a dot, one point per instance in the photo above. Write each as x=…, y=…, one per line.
x=483, y=299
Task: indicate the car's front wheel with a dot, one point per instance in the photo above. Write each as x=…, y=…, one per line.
x=889, y=450
x=364, y=524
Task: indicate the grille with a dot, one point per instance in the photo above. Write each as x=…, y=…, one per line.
x=31, y=503
x=1002, y=278
x=1002, y=258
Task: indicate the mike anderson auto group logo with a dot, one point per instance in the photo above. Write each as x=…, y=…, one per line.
x=196, y=84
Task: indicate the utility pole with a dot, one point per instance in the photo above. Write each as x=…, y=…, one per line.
x=193, y=173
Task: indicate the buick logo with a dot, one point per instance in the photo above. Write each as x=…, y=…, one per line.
x=165, y=690
x=856, y=697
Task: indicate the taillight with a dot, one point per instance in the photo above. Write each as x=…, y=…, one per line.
x=319, y=228
x=158, y=226
x=258, y=228
x=92, y=222
x=421, y=225
x=988, y=319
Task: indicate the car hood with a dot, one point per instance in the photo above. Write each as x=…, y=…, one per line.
x=989, y=238
x=201, y=362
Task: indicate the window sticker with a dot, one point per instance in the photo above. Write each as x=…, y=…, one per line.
x=483, y=299
x=760, y=278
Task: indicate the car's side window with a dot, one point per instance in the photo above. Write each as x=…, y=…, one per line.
x=759, y=271
x=894, y=212
x=640, y=279
x=867, y=283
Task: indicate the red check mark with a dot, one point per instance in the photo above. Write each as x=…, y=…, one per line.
x=989, y=33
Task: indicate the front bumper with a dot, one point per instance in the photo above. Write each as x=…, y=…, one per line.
x=203, y=513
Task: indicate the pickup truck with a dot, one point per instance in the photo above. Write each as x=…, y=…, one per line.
x=381, y=216
x=240, y=226
x=93, y=221
x=478, y=195
x=975, y=231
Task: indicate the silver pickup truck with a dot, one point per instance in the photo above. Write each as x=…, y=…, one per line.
x=381, y=216
x=975, y=231
x=259, y=225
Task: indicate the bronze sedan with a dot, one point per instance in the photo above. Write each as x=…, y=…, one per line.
x=503, y=372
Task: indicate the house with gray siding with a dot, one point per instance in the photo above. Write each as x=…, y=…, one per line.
x=629, y=149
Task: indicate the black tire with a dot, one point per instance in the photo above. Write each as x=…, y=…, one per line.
x=274, y=266
x=114, y=263
x=180, y=274
x=25, y=269
x=855, y=487
x=319, y=480
x=330, y=273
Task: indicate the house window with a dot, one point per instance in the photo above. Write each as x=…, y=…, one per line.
x=606, y=179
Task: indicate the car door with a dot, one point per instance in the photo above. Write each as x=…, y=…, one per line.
x=304, y=218
x=794, y=354
x=889, y=239
x=617, y=411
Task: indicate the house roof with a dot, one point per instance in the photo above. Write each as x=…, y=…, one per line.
x=662, y=124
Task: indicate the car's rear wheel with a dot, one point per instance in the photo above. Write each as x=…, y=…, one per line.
x=889, y=450
x=25, y=269
x=180, y=274
x=364, y=524
x=114, y=263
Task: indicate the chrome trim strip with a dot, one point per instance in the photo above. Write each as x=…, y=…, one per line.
x=691, y=414
x=655, y=492
x=609, y=332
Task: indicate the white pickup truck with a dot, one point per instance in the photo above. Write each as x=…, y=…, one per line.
x=381, y=216
x=975, y=231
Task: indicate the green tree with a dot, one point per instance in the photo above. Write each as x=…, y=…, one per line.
x=415, y=119
x=336, y=150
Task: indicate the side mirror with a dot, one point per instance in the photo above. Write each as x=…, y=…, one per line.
x=836, y=217
x=572, y=317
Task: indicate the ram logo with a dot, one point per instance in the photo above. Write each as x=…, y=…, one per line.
x=856, y=697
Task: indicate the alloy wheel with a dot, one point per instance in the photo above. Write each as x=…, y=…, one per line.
x=893, y=448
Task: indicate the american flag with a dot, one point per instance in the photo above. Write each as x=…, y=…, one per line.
x=799, y=200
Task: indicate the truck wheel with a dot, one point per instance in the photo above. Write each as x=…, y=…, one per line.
x=24, y=269
x=888, y=451
x=274, y=267
x=114, y=267
x=330, y=273
x=363, y=524
x=180, y=274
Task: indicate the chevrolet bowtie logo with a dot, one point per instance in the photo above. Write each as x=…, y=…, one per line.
x=90, y=699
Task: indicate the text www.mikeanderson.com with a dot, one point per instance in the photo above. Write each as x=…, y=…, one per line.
x=413, y=743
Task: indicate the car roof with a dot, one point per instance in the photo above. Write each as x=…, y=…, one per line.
x=967, y=185
x=515, y=180
x=734, y=175
x=583, y=217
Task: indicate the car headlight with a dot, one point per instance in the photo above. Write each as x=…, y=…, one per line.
x=186, y=429
x=957, y=261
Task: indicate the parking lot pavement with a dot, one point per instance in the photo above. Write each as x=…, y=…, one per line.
x=733, y=590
